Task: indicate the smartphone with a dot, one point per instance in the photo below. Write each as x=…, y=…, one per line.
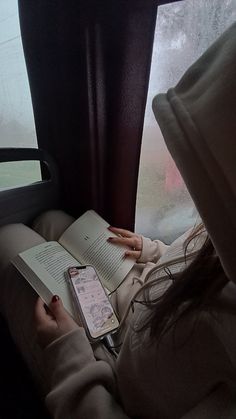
x=89, y=295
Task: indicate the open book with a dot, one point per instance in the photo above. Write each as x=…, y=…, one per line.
x=84, y=242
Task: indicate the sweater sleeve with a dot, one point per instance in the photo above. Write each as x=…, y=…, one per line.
x=152, y=250
x=81, y=386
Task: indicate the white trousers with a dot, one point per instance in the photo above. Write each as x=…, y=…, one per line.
x=17, y=298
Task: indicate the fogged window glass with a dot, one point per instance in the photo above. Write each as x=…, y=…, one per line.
x=19, y=173
x=184, y=30
x=16, y=115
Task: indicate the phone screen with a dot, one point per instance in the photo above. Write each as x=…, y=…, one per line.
x=94, y=303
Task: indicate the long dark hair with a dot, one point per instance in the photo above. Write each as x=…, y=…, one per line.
x=194, y=289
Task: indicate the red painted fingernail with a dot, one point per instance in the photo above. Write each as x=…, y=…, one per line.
x=55, y=298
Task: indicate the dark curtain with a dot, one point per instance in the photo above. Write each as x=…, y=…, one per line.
x=88, y=63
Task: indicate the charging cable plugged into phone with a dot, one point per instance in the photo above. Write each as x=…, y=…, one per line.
x=109, y=344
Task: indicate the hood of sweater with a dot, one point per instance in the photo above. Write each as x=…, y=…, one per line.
x=198, y=122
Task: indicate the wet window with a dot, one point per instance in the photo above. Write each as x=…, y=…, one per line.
x=17, y=127
x=184, y=30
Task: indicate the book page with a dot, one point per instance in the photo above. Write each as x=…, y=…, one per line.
x=86, y=240
x=44, y=268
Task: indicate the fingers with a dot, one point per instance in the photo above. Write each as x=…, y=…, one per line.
x=64, y=321
x=133, y=254
x=52, y=325
x=135, y=245
x=121, y=231
x=40, y=312
x=126, y=237
x=57, y=309
x=129, y=239
x=131, y=242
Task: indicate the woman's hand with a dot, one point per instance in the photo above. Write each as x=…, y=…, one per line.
x=52, y=322
x=126, y=237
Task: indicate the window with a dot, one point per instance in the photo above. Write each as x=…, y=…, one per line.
x=16, y=114
x=184, y=30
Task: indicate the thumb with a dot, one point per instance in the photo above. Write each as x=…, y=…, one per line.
x=64, y=321
x=57, y=308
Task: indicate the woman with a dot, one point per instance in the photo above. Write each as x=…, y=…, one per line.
x=177, y=359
